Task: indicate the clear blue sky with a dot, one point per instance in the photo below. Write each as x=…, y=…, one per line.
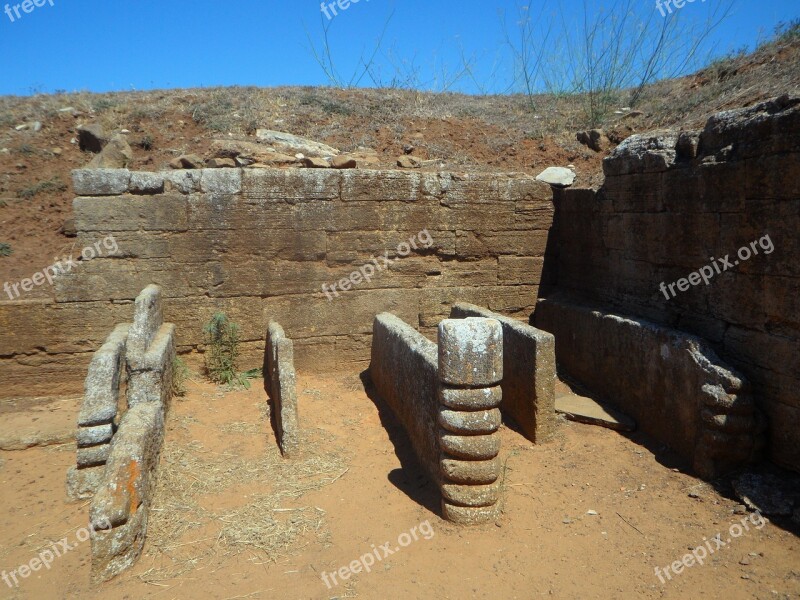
x=111, y=45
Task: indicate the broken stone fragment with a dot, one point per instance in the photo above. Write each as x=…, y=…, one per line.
x=557, y=176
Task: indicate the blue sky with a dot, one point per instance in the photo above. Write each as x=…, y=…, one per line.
x=111, y=45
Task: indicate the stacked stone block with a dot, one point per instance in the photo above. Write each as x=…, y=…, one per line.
x=280, y=383
x=96, y=420
x=470, y=372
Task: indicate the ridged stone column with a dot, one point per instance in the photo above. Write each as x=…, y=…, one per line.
x=470, y=371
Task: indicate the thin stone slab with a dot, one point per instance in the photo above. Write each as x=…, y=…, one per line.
x=585, y=410
x=101, y=394
x=148, y=317
x=470, y=423
x=470, y=447
x=281, y=379
x=92, y=436
x=471, y=472
x=471, y=399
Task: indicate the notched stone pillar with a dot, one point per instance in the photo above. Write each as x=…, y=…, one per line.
x=470, y=372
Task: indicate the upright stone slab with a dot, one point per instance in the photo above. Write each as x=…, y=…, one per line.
x=280, y=381
x=97, y=414
x=151, y=351
x=470, y=369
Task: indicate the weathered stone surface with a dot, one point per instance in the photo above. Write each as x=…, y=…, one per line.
x=150, y=377
x=187, y=161
x=404, y=371
x=123, y=499
x=91, y=436
x=101, y=394
x=83, y=483
x=642, y=153
x=292, y=144
x=280, y=382
x=471, y=472
x=100, y=182
x=226, y=182
x=585, y=410
x=529, y=372
x=471, y=399
x=468, y=515
x=470, y=352
x=315, y=163
x=472, y=495
x=146, y=183
x=662, y=377
x=557, y=176
x=343, y=162
x=470, y=423
x=183, y=181
x=221, y=163
x=470, y=447
x=148, y=317
x=93, y=456
x=117, y=154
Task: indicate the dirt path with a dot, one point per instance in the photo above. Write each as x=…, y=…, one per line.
x=226, y=499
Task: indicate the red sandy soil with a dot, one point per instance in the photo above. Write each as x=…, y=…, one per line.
x=546, y=544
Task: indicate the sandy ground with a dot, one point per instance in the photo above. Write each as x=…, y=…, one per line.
x=225, y=496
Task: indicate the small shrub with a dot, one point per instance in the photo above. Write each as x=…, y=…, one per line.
x=146, y=143
x=180, y=373
x=5, y=249
x=788, y=33
x=51, y=185
x=222, y=351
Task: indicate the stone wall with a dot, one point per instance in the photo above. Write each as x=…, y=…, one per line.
x=673, y=202
x=259, y=244
x=672, y=383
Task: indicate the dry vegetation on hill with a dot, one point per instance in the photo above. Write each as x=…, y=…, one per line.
x=460, y=132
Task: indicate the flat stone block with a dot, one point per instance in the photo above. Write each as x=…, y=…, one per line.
x=93, y=456
x=146, y=183
x=91, y=436
x=472, y=495
x=585, y=410
x=470, y=447
x=471, y=399
x=226, y=182
x=471, y=352
x=470, y=423
x=468, y=515
x=471, y=472
x=100, y=182
x=183, y=181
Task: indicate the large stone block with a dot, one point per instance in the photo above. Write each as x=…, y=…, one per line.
x=100, y=182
